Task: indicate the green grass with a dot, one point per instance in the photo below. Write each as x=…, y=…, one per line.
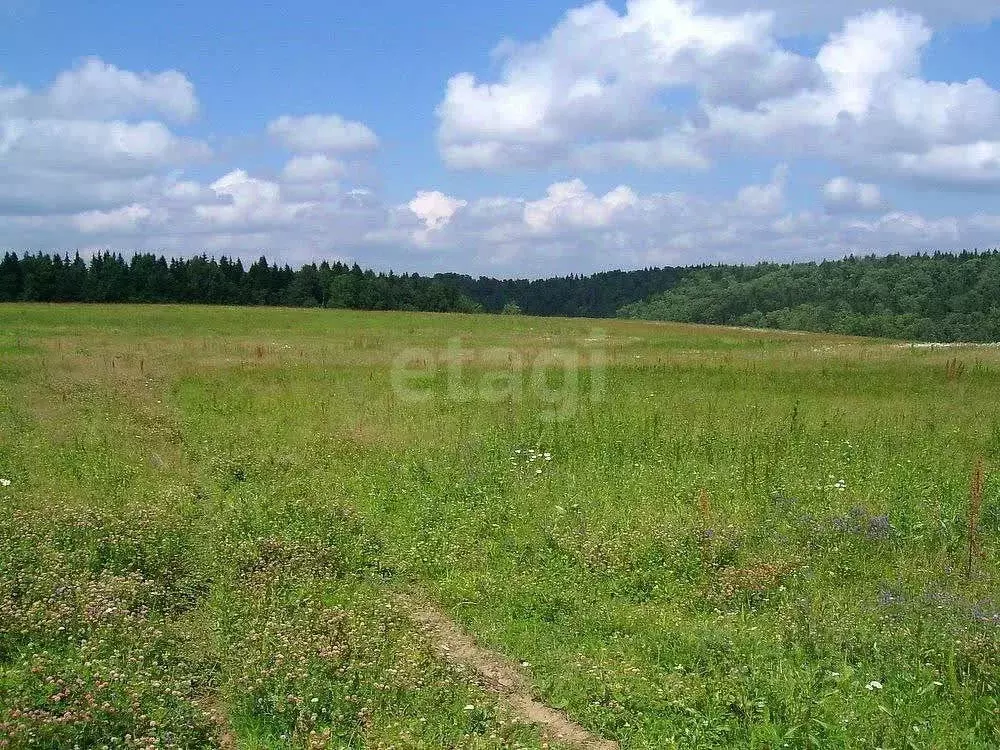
x=210, y=508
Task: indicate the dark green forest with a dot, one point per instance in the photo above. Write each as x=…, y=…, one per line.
x=939, y=297
x=109, y=277
x=600, y=295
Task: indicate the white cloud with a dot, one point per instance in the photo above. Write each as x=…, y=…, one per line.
x=105, y=147
x=185, y=191
x=313, y=168
x=96, y=90
x=764, y=199
x=433, y=211
x=90, y=161
x=845, y=194
x=573, y=229
x=568, y=228
x=82, y=143
x=248, y=202
x=874, y=112
x=125, y=219
x=795, y=16
x=571, y=206
x=434, y=208
x=322, y=133
x=593, y=86
x=966, y=164
x=102, y=91
x=670, y=84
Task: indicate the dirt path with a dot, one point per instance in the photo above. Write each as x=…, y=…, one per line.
x=498, y=676
x=224, y=736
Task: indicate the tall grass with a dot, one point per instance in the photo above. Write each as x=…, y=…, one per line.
x=973, y=546
x=222, y=517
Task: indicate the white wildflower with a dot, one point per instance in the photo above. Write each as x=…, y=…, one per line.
x=873, y=685
x=4, y=483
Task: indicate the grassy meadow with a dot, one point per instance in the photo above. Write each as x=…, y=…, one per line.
x=685, y=536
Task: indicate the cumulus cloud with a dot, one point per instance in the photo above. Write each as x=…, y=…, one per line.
x=874, y=111
x=87, y=142
x=572, y=228
x=571, y=206
x=434, y=208
x=313, y=168
x=566, y=228
x=670, y=83
x=97, y=90
x=796, y=16
x=97, y=158
x=247, y=201
x=322, y=133
x=120, y=220
x=845, y=194
x=90, y=161
x=95, y=146
x=764, y=199
x=595, y=82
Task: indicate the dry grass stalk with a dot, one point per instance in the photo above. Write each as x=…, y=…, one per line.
x=954, y=369
x=975, y=512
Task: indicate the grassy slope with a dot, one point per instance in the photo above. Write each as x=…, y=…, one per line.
x=243, y=486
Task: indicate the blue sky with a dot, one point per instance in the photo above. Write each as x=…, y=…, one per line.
x=514, y=139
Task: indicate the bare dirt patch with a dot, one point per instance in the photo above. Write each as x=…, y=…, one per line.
x=216, y=712
x=498, y=676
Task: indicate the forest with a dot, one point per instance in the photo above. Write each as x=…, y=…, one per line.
x=109, y=277
x=931, y=297
x=939, y=297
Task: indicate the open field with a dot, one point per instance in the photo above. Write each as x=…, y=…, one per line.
x=682, y=536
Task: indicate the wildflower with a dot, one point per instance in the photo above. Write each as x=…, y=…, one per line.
x=873, y=685
x=469, y=707
x=4, y=483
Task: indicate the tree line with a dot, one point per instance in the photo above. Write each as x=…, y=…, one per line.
x=109, y=277
x=599, y=295
x=938, y=297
